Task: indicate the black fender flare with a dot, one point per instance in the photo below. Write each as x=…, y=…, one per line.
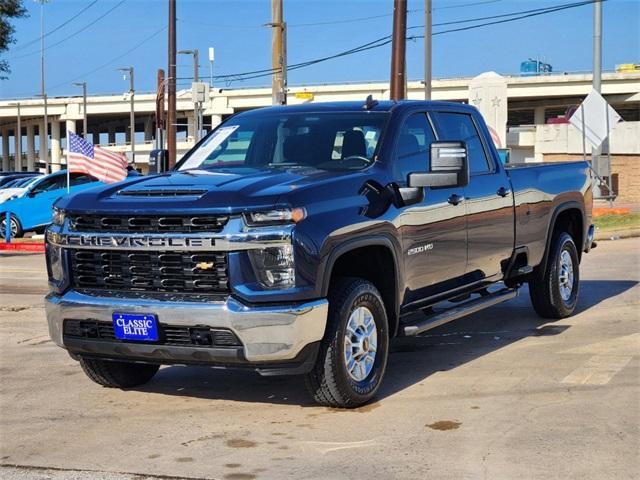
x=554, y=216
x=368, y=241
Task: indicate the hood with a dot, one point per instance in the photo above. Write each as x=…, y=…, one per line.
x=201, y=191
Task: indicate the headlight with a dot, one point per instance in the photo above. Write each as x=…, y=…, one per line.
x=57, y=217
x=275, y=217
x=274, y=266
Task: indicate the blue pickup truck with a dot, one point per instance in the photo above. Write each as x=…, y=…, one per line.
x=299, y=240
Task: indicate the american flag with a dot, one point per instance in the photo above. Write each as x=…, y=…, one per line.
x=100, y=163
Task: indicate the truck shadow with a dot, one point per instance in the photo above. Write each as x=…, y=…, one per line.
x=411, y=361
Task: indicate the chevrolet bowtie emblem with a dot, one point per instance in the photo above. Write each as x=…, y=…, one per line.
x=204, y=265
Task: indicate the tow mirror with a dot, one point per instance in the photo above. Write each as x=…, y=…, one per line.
x=448, y=167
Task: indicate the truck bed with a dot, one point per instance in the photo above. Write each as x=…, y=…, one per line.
x=537, y=189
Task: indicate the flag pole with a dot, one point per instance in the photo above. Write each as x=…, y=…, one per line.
x=68, y=150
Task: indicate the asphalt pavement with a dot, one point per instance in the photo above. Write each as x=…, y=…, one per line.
x=502, y=394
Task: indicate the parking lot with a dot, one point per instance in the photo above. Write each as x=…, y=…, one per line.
x=501, y=394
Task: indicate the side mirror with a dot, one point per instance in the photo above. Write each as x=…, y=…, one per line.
x=448, y=167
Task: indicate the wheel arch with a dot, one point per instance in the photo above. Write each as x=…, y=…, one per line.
x=379, y=251
x=569, y=217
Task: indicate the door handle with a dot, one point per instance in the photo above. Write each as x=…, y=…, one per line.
x=454, y=199
x=503, y=192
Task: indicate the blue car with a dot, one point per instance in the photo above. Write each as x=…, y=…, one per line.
x=32, y=211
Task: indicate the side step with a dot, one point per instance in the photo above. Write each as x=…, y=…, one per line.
x=461, y=311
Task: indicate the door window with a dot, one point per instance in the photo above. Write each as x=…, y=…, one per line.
x=49, y=184
x=460, y=127
x=79, y=179
x=412, y=153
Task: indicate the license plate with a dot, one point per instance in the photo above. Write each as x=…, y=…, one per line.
x=138, y=327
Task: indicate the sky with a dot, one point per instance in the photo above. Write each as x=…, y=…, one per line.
x=133, y=32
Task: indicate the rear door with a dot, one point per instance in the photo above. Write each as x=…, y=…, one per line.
x=488, y=197
x=434, y=231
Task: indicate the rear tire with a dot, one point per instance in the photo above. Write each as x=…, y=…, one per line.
x=554, y=293
x=353, y=354
x=118, y=374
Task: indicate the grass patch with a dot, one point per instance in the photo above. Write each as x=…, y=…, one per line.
x=618, y=222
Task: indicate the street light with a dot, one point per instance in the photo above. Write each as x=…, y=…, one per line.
x=44, y=155
x=196, y=105
x=195, y=61
x=129, y=70
x=84, y=106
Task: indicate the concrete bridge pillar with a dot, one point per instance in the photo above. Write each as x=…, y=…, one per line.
x=215, y=121
x=55, y=145
x=538, y=115
x=5, y=150
x=111, y=140
x=191, y=126
x=31, y=148
x=43, y=147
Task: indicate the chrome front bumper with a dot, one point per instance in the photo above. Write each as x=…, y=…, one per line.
x=269, y=334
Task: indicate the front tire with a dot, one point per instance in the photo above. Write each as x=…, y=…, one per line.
x=554, y=294
x=353, y=354
x=16, y=228
x=113, y=374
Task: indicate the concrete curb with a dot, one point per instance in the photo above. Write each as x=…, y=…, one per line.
x=616, y=234
x=22, y=247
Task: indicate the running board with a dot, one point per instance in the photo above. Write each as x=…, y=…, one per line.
x=459, y=311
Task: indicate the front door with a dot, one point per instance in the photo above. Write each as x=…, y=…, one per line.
x=434, y=231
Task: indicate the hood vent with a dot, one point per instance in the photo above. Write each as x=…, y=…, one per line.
x=164, y=192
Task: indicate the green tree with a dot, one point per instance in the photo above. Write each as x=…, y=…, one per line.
x=9, y=9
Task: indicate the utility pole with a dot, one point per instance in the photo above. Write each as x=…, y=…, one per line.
x=427, y=48
x=160, y=112
x=597, y=86
x=44, y=136
x=278, y=54
x=171, y=86
x=398, y=49
x=132, y=116
x=84, y=107
x=597, y=45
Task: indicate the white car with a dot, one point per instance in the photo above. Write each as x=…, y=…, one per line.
x=18, y=188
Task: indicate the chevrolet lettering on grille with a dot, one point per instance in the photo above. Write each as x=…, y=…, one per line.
x=136, y=241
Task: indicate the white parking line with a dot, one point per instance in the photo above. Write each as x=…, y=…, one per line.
x=598, y=370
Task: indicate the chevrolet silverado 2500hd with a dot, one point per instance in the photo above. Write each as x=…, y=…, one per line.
x=301, y=239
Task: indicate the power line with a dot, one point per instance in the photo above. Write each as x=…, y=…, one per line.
x=113, y=60
x=382, y=41
x=467, y=4
x=36, y=40
x=77, y=32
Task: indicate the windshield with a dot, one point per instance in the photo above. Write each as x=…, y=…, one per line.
x=327, y=141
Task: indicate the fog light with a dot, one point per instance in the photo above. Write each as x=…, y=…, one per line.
x=274, y=266
x=55, y=265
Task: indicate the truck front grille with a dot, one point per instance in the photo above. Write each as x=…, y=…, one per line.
x=169, y=334
x=174, y=272
x=148, y=223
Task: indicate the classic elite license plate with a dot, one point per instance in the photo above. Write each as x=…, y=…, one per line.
x=140, y=327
